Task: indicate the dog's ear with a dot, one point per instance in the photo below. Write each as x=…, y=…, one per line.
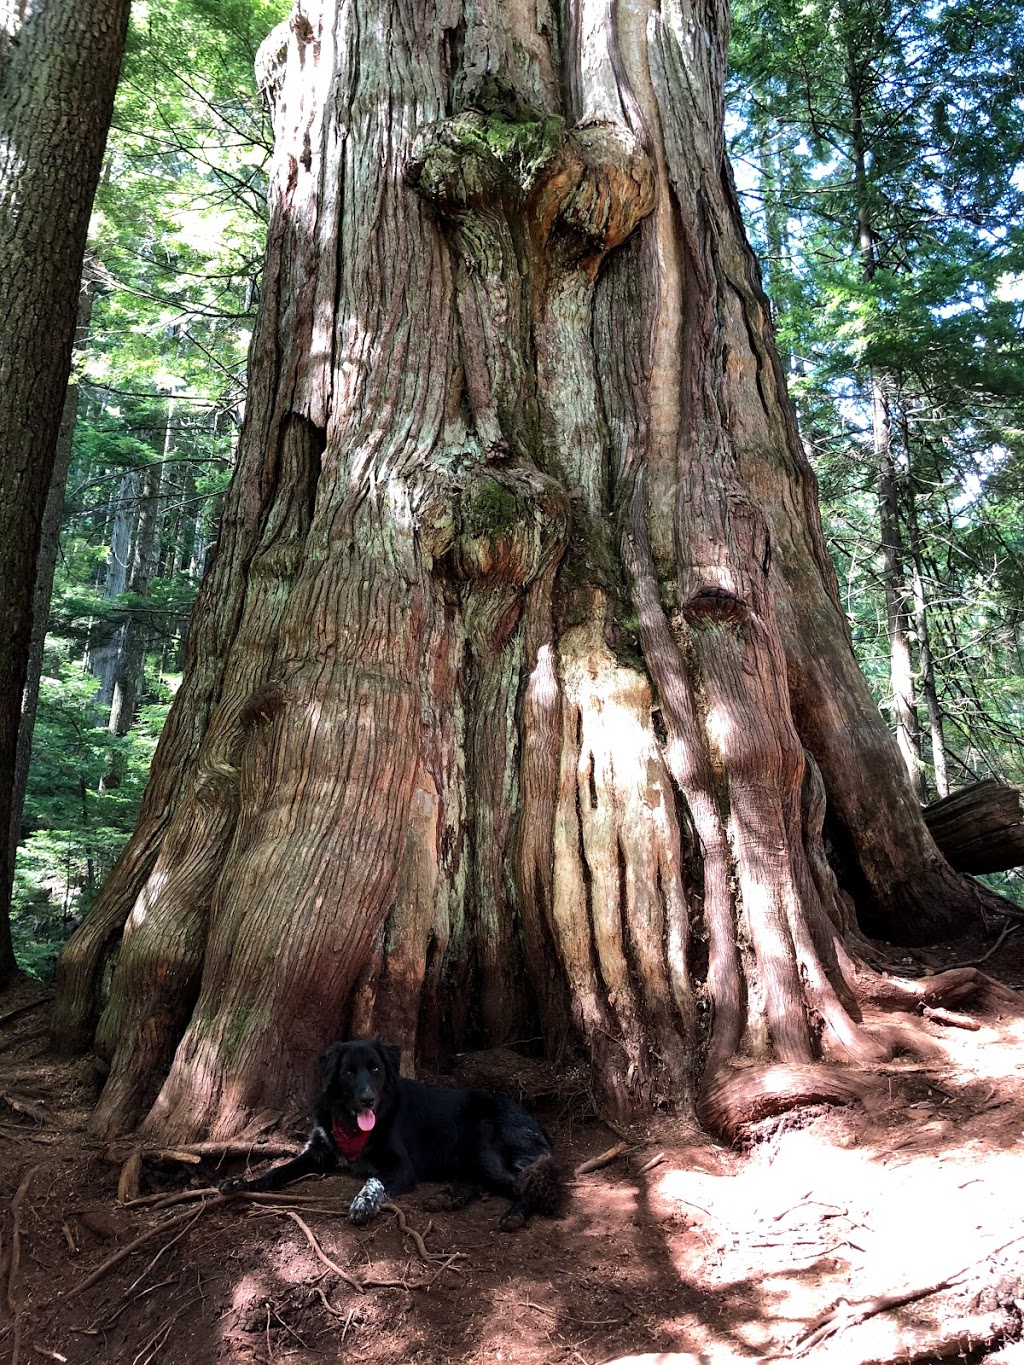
x=393, y=1057
x=326, y=1063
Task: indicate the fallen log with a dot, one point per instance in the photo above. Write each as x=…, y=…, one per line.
x=980, y=828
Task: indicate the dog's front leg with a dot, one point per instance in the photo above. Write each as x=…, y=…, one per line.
x=317, y=1157
x=368, y=1202
x=376, y=1193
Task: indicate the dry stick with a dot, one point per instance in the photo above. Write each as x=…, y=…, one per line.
x=319, y=1251
x=23, y=1106
x=16, y=1203
x=1008, y=929
x=235, y=1148
x=134, y=1245
x=950, y=1019
x=650, y=1165
x=438, y=1259
x=844, y=1314
x=605, y=1159
x=12, y=1277
x=24, y=1009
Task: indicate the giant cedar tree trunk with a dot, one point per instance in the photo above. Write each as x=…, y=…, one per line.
x=518, y=691
x=59, y=61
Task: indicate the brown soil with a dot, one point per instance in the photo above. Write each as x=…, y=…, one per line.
x=677, y=1246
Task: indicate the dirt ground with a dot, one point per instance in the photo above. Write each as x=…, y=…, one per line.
x=889, y=1232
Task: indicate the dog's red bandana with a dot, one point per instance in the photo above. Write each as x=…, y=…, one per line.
x=350, y=1143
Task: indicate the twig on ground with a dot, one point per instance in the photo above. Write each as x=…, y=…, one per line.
x=15, y=1266
x=22, y=1106
x=13, y=1302
x=13, y=1130
x=604, y=1159
x=119, y=1256
x=319, y=1251
x=429, y=1257
x=162, y=1201
x=950, y=1019
x=156, y=1341
x=236, y=1147
x=24, y=1009
x=845, y=1314
x=650, y=1165
x=1011, y=928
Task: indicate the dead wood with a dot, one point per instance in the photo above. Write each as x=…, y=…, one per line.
x=318, y=1250
x=20, y=1105
x=845, y=1314
x=129, y=1179
x=13, y=1274
x=603, y=1159
x=24, y=1009
x=139, y=1241
x=950, y=1019
x=980, y=828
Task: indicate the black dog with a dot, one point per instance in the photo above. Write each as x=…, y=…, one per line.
x=370, y=1119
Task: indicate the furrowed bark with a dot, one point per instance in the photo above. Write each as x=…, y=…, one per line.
x=520, y=698
x=64, y=55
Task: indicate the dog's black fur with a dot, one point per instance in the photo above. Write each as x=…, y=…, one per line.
x=420, y=1132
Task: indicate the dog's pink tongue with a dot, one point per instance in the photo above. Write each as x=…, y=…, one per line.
x=366, y=1120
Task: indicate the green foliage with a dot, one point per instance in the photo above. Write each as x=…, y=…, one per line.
x=175, y=256
x=880, y=157
x=76, y=822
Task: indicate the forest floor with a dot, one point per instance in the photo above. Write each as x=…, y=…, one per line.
x=889, y=1232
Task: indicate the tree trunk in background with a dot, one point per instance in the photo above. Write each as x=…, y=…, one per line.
x=897, y=608
x=58, y=72
x=49, y=546
x=134, y=635
x=104, y=658
x=922, y=627
x=518, y=692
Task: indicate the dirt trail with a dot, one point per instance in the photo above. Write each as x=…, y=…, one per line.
x=893, y=1232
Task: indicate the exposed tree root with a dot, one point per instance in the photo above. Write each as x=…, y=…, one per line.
x=735, y=1097
x=845, y=1314
x=318, y=1250
x=141, y=1240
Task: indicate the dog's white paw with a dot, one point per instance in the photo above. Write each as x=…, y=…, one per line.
x=367, y=1202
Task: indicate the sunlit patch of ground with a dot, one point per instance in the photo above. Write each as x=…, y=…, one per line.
x=731, y=1254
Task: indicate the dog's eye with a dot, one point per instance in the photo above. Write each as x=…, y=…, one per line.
x=373, y=1067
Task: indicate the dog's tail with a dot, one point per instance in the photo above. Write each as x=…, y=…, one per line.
x=539, y=1187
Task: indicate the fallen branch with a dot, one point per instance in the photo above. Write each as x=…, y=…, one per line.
x=23, y=1106
x=429, y=1257
x=13, y=1302
x=15, y=1265
x=236, y=1147
x=604, y=1159
x=845, y=1314
x=319, y=1251
x=24, y=1009
x=139, y=1241
x=1011, y=927
x=950, y=1019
